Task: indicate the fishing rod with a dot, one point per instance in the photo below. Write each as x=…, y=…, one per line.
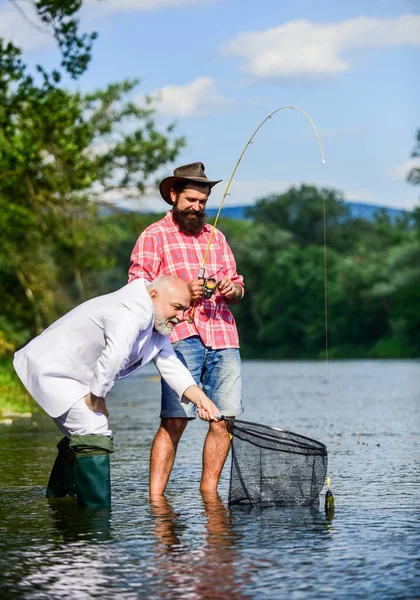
x=210, y=285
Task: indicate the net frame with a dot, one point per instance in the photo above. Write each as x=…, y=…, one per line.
x=284, y=488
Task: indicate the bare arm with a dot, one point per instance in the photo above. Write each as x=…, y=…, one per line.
x=96, y=404
x=206, y=408
x=181, y=381
x=232, y=292
x=231, y=287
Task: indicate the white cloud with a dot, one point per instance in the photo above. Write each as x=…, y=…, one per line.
x=402, y=170
x=132, y=200
x=198, y=98
x=24, y=30
x=309, y=51
x=23, y=27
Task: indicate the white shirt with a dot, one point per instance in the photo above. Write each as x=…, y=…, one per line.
x=96, y=343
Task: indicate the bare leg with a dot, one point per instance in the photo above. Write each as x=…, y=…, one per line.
x=162, y=454
x=215, y=451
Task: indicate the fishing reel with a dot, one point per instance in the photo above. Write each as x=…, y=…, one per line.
x=210, y=286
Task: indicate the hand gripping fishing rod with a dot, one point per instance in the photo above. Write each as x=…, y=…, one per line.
x=210, y=290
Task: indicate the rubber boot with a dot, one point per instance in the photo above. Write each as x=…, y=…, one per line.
x=92, y=469
x=61, y=483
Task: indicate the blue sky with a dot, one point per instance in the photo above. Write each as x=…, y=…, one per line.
x=219, y=67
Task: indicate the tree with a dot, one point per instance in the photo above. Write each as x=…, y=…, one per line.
x=372, y=280
x=58, y=17
x=414, y=174
x=61, y=155
x=301, y=211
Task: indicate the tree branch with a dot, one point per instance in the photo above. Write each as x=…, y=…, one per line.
x=28, y=20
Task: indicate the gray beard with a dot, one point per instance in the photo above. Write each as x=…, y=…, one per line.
x=162, y=325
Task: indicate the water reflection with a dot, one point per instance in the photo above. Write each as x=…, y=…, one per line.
x=74, y=522
x=192, y=546
x=61, y=553
x=168, y=525
x=273, y=527
x=227, y=578
x=207, y=571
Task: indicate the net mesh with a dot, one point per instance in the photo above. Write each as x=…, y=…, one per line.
x=272, y=467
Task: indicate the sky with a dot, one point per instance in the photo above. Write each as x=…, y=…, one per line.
x=218, y=68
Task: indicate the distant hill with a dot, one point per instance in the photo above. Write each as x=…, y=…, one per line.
x=368, y=211
x=357, y=211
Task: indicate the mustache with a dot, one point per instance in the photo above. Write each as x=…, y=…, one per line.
x=174, y=321
x=191, y=211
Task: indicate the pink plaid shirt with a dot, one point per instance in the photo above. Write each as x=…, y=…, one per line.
x=162, y=249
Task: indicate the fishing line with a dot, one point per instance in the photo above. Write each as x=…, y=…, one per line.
x=226, y=192
x=329, y=500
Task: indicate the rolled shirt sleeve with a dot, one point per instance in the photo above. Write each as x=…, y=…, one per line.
x=145, y=258
x=230, y=264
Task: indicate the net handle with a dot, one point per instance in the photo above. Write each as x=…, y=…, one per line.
x=321, y=447
x=261, y=441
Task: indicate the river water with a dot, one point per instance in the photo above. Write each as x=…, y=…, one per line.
x=194, y=547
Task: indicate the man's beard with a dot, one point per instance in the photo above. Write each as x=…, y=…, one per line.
x=189, y=221
x=162, y=325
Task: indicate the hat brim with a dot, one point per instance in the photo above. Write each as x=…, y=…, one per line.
x=167, y=183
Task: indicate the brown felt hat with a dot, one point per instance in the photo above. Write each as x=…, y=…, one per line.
x=192, y=172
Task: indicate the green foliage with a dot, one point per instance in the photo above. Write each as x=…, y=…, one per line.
x=301, y=211
x=58, y=18
x=373, y=279
x=63, y=155
x=414, y=174
x=6, y=347
x=127, y=227
x=13, y=396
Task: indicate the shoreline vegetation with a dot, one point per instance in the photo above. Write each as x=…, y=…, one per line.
x=373, y=284
x=67, y=156
x=17, y=404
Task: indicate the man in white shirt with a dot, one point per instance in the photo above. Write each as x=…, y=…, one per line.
x=73, y=364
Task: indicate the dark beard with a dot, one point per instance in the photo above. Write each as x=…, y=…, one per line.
x=190, y=221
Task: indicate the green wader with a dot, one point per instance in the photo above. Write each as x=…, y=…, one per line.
x=92, y=476
x=61, y=482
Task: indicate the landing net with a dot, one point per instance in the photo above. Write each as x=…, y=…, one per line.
x=272, y=467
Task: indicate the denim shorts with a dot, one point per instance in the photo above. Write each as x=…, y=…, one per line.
x=218, y=372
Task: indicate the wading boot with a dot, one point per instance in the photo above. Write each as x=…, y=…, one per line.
x=61, y=482
x=92, y=470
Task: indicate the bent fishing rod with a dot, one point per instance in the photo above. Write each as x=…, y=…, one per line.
x=209, y=290
x=210, y=285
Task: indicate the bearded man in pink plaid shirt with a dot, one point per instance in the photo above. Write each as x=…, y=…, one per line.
x=207, y=341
